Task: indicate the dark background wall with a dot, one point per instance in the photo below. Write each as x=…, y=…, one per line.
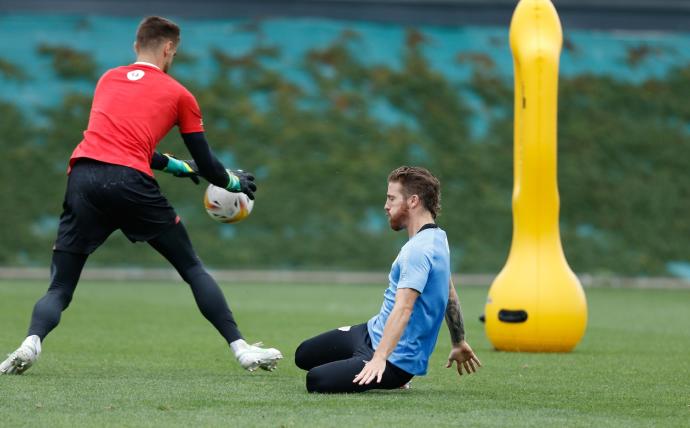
x=667, y=15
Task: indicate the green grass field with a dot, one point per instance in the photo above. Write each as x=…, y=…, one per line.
x=139, y=354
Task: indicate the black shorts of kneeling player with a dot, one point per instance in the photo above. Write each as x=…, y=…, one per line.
x=335, y=357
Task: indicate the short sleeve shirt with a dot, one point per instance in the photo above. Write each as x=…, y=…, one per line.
x=423, y=264
x=133, y=108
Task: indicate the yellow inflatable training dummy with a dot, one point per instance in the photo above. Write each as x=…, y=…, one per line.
x=536, y=303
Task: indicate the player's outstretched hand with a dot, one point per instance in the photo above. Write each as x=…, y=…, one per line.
x=464, y=356
x=182, y=168
x=241, y=181
x=372, y=370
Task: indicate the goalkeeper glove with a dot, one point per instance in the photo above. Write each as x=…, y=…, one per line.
x=241, y=181
x=182, y=168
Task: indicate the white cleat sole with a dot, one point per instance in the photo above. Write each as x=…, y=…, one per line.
x=15, y=365
x=268, y=364
x=253, y=357
x=20, y=360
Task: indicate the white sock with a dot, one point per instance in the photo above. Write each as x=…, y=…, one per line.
x=238, y=345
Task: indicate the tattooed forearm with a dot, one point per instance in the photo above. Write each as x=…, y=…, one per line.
x=454, y=320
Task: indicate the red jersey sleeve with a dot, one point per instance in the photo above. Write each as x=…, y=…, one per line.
x=189, y=114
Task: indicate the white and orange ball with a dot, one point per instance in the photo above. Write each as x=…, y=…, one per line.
x=226, y=207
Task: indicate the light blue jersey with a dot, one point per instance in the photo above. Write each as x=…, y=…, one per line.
x=424, y=265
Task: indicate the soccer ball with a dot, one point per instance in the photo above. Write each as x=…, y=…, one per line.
x=226, y=207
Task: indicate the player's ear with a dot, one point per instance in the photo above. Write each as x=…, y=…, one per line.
x=169, y=48
x=413, y=201
x=135, y=46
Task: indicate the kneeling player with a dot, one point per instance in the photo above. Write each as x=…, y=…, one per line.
x=395, y=345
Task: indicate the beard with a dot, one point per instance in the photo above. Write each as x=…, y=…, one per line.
x=399, y=220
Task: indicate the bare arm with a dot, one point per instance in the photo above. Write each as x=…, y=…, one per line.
x=456, y=325
x=396, y=322
x=394, y=328
x=461, y=352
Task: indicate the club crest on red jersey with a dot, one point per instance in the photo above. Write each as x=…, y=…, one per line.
x=135, y=74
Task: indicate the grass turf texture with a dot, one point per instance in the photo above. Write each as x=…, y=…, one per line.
x=140, y=354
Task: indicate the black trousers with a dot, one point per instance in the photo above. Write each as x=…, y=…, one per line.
x=175, y=246
x=101, y=198
x=334, y=358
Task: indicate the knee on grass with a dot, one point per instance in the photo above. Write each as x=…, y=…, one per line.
x=317, y=383
x=302, y=357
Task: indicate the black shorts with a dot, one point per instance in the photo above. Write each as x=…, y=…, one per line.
x=335, y=357
x=101, y=198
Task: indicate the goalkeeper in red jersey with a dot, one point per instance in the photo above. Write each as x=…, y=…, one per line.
x=111, y=186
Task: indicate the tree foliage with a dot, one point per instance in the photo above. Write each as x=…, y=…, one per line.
x=322, y=146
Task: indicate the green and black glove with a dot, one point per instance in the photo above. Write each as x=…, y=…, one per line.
x=182, y=168
x=241, y=181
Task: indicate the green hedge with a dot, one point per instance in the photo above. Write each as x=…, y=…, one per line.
x=322, y=153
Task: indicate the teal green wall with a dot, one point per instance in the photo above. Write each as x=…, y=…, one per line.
x=322, y=110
